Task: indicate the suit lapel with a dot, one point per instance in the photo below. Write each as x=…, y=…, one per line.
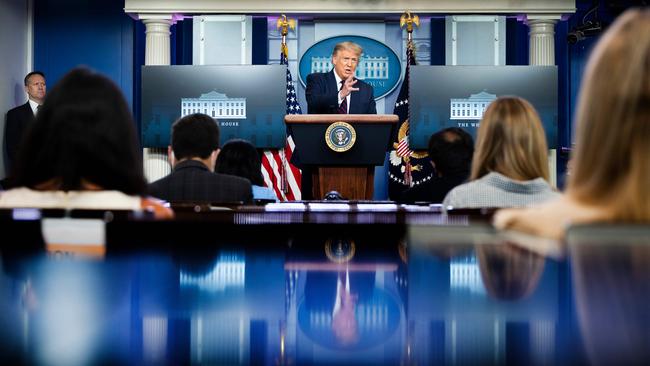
x=331, y=82
x=27, y=111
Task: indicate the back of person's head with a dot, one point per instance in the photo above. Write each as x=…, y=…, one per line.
x=83, y=136
x=611, y=162
x=451, y=151
x=510, y=141
x=239, y=157
x=195, y=136
x=509, y=272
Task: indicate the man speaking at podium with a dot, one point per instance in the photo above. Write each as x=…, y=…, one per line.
x=338, y=91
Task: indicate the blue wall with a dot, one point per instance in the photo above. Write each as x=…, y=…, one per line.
x=95, y=33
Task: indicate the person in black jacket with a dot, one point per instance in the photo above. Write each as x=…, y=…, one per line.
x=338, y=91
x=19, y=119
x=451, y=153
x=193, y=152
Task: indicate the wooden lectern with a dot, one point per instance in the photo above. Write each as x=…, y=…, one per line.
x=350, y=172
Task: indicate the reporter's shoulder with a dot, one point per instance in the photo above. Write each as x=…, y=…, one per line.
x=234, y=179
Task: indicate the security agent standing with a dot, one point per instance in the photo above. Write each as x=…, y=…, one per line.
x=19, y=119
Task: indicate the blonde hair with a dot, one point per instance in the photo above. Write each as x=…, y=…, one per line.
x=510, y=141
x=350, y=46
x=611, y=163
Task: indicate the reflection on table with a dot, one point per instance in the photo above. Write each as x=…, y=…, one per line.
x=329, y=294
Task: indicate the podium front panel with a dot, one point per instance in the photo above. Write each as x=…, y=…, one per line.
x=372, y=142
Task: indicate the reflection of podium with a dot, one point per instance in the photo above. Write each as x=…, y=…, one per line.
x=349, y=172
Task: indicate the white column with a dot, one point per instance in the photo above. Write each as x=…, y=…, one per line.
x=157, y=52
x=542, y=52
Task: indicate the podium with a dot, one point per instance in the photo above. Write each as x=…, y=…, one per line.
x=350, y=172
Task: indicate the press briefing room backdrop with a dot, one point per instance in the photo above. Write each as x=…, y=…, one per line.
x=118, y=38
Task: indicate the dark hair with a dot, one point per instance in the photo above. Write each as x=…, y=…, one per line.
x=239, y=157
x=509, y=272
x=83, y=133
x=451, y=150
x=195, y=135
x=32, y=74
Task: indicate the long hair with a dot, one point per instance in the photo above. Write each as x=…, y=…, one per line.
x=83, y=133
x=510, y=141
x=611, y=162
x=239, y=157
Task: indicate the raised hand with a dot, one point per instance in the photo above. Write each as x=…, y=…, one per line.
x=348, y=87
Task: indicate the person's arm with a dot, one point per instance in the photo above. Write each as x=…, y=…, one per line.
x=317, y=99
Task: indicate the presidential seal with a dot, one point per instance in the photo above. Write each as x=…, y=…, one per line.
x=340, y=136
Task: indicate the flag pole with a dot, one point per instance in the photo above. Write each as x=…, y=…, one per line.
x=284, y=24
x=407, y=19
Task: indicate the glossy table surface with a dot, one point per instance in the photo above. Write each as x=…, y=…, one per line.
x=330, y=294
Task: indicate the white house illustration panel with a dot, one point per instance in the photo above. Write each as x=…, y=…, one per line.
x=471, y=108
x=215, y=105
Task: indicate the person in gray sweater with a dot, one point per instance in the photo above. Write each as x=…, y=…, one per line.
x=509, y=167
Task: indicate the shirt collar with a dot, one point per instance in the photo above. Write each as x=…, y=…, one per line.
x=34, y=105
x=338, y=80
x=505, y=183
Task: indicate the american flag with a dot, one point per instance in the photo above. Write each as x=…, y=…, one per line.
x=406, y=167
x=277, y=170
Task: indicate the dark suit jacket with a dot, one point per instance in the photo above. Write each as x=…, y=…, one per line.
x=192, y=181
x=322, y=95
x=18, y=122
x=434, y=190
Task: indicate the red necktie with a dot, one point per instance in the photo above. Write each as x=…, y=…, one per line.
x=343, y=107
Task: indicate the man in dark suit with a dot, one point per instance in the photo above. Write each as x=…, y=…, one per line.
x=21, y=118
x=338, y=91
x=192, y=154
x=451, y=153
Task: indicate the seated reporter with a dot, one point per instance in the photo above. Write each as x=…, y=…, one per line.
x=81, y=152
x=450, y=151
x=509, y=167
x=240, y=158
x=192, y=154
x=610, y=166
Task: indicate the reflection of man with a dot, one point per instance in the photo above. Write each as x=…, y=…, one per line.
x=339, y=294
x=338, y=91
x=344, y=321
x=20, y=118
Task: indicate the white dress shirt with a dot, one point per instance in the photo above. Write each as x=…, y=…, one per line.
x=34, y=106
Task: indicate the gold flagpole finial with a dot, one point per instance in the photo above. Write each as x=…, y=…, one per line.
x=409, y=19
x=284, y=24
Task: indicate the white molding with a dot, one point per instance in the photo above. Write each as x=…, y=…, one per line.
x=29, y=56
x=474, y=19
x=350, y=6
x=543, y=17
x=246, y=24
x=496, y=41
